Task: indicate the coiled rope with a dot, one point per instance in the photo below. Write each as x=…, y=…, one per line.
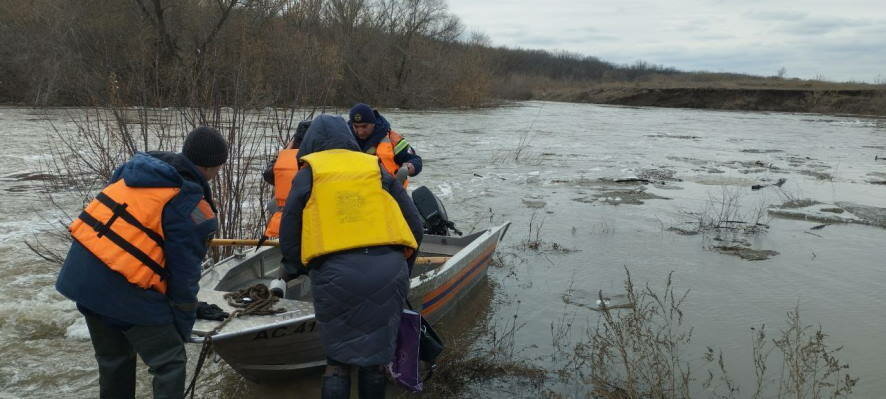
x=256, y=300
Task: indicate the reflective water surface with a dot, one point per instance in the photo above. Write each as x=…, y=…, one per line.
x=540, y=165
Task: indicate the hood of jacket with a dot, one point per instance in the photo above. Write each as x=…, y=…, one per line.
x=182, y=168
x=327, y=132
x=145, y=170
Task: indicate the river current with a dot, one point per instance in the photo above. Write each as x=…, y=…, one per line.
x=549, y=169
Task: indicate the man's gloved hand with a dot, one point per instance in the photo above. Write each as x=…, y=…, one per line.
x=288, y=275
x=403, y=173
x=206, y=311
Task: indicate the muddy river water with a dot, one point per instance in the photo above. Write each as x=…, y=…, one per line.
x=550, y=169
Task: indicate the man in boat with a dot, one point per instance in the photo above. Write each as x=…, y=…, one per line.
x=134, y=264
x=279, y=174
x=355, y=229
x=375, y=137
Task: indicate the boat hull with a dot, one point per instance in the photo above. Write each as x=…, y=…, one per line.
x=279, y=346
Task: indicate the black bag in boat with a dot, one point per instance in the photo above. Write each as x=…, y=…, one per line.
x=430, y=346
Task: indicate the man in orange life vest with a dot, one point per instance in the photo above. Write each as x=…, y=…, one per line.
x=375, y=137
x=134, y=264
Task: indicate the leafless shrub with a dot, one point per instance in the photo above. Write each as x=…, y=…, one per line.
x=488, y=350
x=84, y=157
x=638, y=352
x=644, y=352
x=534, y=241
x=533, y=235
x=809, y=367
x=727, y=212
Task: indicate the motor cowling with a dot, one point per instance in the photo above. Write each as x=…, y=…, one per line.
x=433, y=213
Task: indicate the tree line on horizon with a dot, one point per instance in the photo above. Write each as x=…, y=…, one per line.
x=403, y=53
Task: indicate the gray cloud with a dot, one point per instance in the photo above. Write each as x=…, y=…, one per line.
x=819, y=26
x=775, y=15
x=842, y=41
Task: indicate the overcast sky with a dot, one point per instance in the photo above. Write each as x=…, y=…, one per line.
x=836, y=40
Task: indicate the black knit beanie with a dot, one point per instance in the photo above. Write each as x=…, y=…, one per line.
x=361, y=113
x=205, y=147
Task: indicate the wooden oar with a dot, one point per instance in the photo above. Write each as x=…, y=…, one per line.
x=218, y=242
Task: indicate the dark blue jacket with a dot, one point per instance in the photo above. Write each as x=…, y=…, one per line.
x=358, y=294
x=323, y=136
x=382, y=127
x=100, y=290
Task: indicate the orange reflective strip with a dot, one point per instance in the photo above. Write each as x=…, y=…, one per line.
x=202, y=212
x=455, y=284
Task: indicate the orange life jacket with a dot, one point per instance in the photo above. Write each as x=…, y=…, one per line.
x=285, y=168
x=386, y=150
x=123, y=227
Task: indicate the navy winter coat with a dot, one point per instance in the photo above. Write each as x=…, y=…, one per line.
x=99, y=290
x=382, y=127
x=358, y=294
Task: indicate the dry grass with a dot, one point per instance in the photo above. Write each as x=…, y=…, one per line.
x=464, y=362
x=644, y=352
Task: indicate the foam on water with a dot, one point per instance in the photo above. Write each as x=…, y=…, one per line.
x=78, y=330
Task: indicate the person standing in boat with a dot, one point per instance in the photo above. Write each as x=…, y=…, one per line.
x=279, y=174
x=355, y=230
x=134, y=264
x=375, y=137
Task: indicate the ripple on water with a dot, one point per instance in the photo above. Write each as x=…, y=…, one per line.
x=43, y=339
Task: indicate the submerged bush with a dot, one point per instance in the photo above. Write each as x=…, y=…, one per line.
x=643, y=351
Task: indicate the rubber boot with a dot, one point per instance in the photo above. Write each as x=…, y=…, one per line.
x=336, y=387
x=371, y=382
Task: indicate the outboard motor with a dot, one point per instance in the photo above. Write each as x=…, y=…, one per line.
x=432, y=212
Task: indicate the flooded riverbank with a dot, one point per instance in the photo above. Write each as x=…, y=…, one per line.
x=589, y=190
x=859, y=100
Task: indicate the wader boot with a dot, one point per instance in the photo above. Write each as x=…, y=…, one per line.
x=371, y=382
x=160, y=347
x=336, y=383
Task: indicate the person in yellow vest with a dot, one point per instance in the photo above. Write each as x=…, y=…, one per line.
x=355, y=230
x=134, y=263
x=375, y=137
x=279, y=174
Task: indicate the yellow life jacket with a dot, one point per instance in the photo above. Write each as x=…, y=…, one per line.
x=348, y=207
x=285, y=168
x=123, y=227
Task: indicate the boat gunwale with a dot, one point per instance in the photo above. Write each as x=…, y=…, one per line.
x=420, y=280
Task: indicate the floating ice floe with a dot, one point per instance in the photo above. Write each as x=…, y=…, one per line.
x=530, y=203
x=839, y=212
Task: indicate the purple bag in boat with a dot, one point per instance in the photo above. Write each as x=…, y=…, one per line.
x=404, y=367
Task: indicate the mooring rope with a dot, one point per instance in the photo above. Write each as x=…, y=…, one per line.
x=256, y=300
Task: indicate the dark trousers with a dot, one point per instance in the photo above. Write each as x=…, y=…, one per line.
x=336, y=382
x=160, y=347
